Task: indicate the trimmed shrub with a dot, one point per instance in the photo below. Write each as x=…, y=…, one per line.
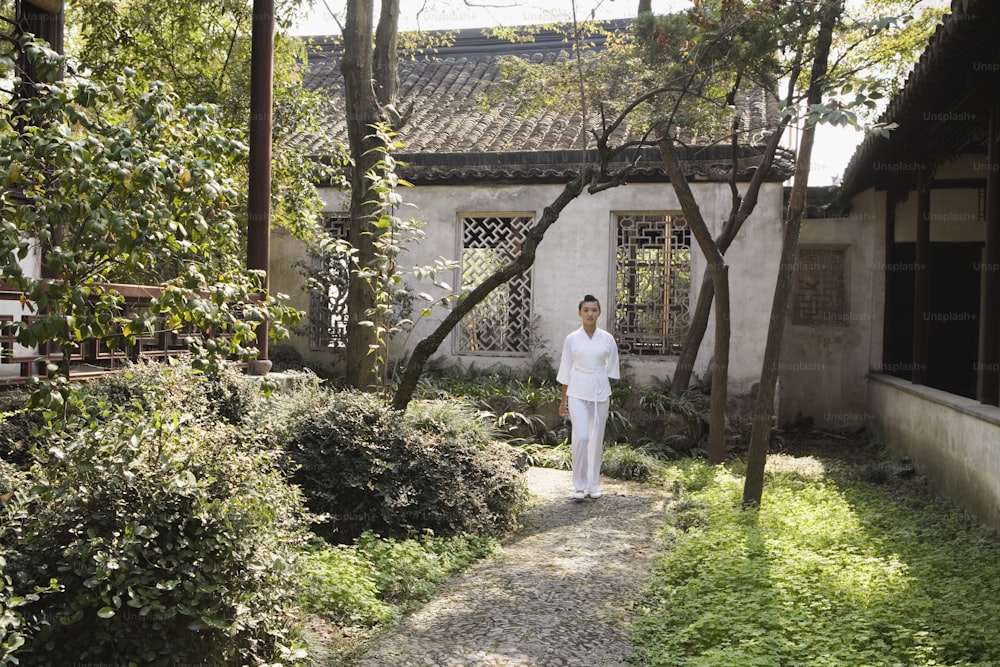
x=172, y=535
x=228, y=395
x=366, y=467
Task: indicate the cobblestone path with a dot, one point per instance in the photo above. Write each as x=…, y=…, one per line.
x=558, y=596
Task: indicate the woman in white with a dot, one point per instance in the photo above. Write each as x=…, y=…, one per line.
x=589, y=361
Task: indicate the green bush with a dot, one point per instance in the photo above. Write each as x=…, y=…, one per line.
x=171, y=534
x=14, y=627
x=367, y=467
x=228, y=395
x=17, y=428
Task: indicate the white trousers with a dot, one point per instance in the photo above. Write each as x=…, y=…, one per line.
x=588, y=419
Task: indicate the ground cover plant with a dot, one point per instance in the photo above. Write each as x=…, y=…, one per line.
x=354, y=592
x=842, y=565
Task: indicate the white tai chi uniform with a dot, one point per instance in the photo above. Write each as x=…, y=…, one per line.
x=586, y=366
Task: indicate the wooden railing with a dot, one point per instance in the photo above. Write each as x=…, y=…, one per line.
x=94, y=357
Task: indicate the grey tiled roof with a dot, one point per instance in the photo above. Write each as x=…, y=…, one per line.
x=942, y=110
x=449, y=135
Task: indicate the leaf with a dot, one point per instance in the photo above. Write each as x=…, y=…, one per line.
x=105, y=612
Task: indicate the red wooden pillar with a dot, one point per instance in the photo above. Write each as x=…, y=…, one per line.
x=988, y=380
x=261, y=104
x=922, y=283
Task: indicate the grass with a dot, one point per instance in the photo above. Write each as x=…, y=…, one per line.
x=831, y=570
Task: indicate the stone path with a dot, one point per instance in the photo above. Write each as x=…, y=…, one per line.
x=558, y=596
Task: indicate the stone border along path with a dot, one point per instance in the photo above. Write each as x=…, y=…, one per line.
x=559, y=595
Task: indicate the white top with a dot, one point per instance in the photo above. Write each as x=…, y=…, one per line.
x=587, y=364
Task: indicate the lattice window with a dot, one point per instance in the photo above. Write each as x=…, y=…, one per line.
x=652, y=283
x=328, y=305
x=501, y=323
x=820, y=287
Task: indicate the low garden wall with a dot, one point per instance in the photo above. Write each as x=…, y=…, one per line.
x=953, y=441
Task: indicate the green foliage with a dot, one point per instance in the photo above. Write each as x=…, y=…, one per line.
x=367, y=467
x=523, y=407
x=408, y=570
x=15, y=628
x=124, y=184
x=683, y=418
x=17, y=427
x=454, y=419
x=339, y=583
x=202, y=50
x=371, y=582
x=629, y=463
x=171, y=534
x=890, y=34
x=830, y=570
x=648, y=423
x=548, y=456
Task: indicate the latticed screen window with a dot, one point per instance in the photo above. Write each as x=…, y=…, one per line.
x=328, y=302
x=501, y=323
x=652, y=284
x=819, y=290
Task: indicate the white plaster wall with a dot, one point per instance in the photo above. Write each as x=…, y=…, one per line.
x=31, y=266
x=823, y=366
x=952, y=440
x=575, y=258
x=954, y=217
x=287, y=253
x=954, y=212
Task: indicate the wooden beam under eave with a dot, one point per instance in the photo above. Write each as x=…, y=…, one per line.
x=988, y=380
x=922, y=283
x=888, y=324
x=50, y=6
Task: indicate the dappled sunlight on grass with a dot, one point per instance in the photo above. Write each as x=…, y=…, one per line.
x=808, y=467
x=826, y=572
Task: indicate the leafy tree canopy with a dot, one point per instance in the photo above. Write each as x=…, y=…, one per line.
x=684, y=68
x=202, y=49
x=117, y=184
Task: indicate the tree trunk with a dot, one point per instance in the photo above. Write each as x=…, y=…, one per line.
x=760, y=434
x=706, y=294
x=719, y=270
x=386, y=67
x=364, y=109
x=427, y=346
